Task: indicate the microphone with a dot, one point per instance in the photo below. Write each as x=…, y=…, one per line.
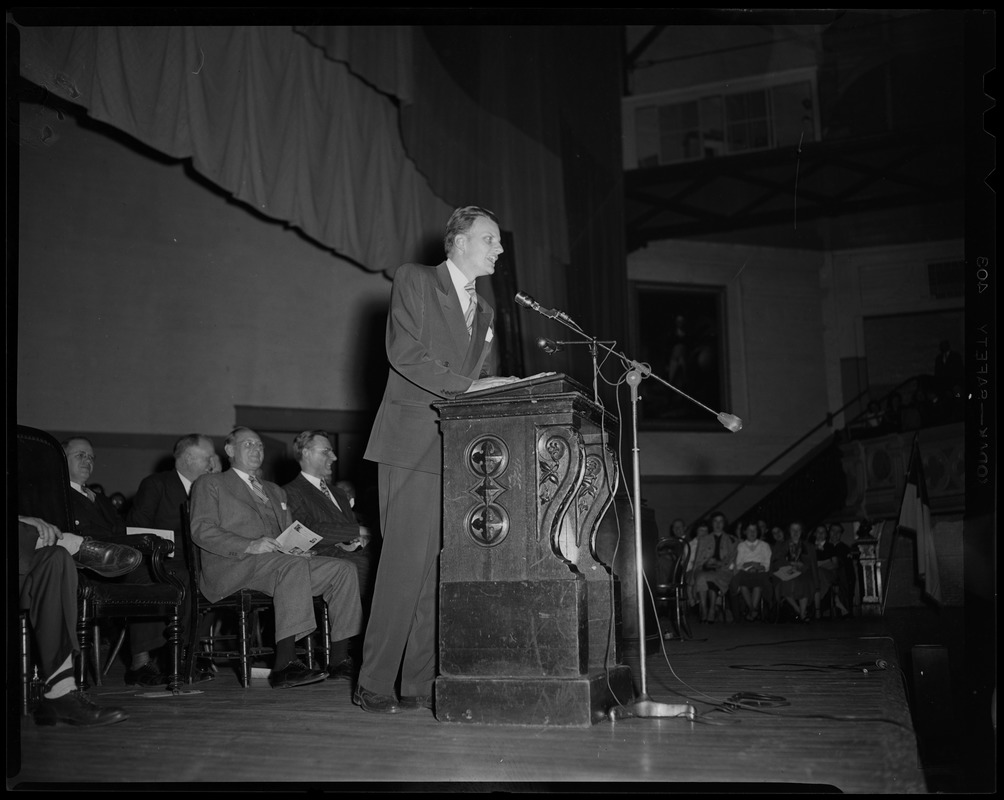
x=551, y=313
x=528, y=302
x=731, y=421
x=549, y=346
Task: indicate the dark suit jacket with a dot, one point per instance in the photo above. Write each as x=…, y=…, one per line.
x=309, y=505
x=225, y=519
x=99, y=519
x=158, y=504
x=431, y=358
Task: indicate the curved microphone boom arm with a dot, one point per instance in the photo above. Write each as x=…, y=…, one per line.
x=551, y=347
x=729, y=421
x=644, y=706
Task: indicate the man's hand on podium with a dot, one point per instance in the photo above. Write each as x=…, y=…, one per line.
x=492, y=382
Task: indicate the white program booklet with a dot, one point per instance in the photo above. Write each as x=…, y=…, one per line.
x=296, y=539
x=163, y=534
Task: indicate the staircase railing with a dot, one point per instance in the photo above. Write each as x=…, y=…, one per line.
x=818, y=483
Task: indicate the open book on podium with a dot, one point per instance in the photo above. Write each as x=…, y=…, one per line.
x=543, y=383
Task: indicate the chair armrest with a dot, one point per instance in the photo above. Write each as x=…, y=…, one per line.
x=153, y=546
x=156, y=549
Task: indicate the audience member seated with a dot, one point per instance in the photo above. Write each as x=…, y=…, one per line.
x=158, y=504
x=327, y=511
x=778, y=548
x=874, y=419
x=827, y=570
x=47, y=586
x=712, y=575
x=844, y=564
x=236, y=519
x=666, y=557
x=93, y=513
x=794, y=570
x=912, y=414
x=118, y=501
x=750, y=567
x=701, y=527
x=894, y=413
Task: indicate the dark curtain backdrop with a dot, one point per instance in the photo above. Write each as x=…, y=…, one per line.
x=366, y=137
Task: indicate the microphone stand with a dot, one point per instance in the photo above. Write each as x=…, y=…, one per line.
x=644, y=706
x=596, y=367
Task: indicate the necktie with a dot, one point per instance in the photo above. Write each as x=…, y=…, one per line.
x=258, y=489
x=88, y=493
x=471, y=308
x=324, y=490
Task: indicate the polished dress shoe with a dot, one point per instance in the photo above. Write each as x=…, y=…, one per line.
x=409, y=702
x=147, y=675
x=107, y=559
x=344, y=670
x=376, y=703
x=76, y=708
x=295, y=673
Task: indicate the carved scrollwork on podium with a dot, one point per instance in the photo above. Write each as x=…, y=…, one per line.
x=596, y=492
x=487, y=522
x=560, y=466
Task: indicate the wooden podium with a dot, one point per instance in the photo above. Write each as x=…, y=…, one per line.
x=529, y=617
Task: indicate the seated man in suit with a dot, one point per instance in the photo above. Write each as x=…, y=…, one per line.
x=327, y=511
x=47, y=586
x=95, y=516
x=159, y=504
x=236, y=518
x=93, y=512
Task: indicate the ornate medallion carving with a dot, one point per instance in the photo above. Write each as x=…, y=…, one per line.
x=487, y=522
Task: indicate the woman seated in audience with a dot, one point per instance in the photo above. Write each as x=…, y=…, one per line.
x=715, y=550
x=794, y=570
x=778, y=546
x=827, y=570
x=751, y=577
x=701, y=527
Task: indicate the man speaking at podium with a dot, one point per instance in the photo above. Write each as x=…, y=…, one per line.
x=439, y=344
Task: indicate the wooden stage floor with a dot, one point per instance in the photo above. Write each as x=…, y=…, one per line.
x=820, y=715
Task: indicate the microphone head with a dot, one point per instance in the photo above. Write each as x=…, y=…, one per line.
x=730, y=421
x=548, y=346
x=524, y=300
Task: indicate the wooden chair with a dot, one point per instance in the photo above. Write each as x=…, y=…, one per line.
x=672, y=596
x=245, y=644
x=43, y=491
x=31, y=685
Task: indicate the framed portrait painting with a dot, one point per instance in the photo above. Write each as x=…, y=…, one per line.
x=679, y=332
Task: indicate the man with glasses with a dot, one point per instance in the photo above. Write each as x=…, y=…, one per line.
x=327, y=511
x=98, y=540
x=236, y=519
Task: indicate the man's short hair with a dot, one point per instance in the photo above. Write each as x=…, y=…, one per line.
x=187, y=441
x=461, y=221
x=65, y=444
x=303, y=440
x=232, y=436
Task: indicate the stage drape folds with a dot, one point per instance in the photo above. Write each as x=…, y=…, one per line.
x=480, y=112
x=261, y=113
x=366, y=138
